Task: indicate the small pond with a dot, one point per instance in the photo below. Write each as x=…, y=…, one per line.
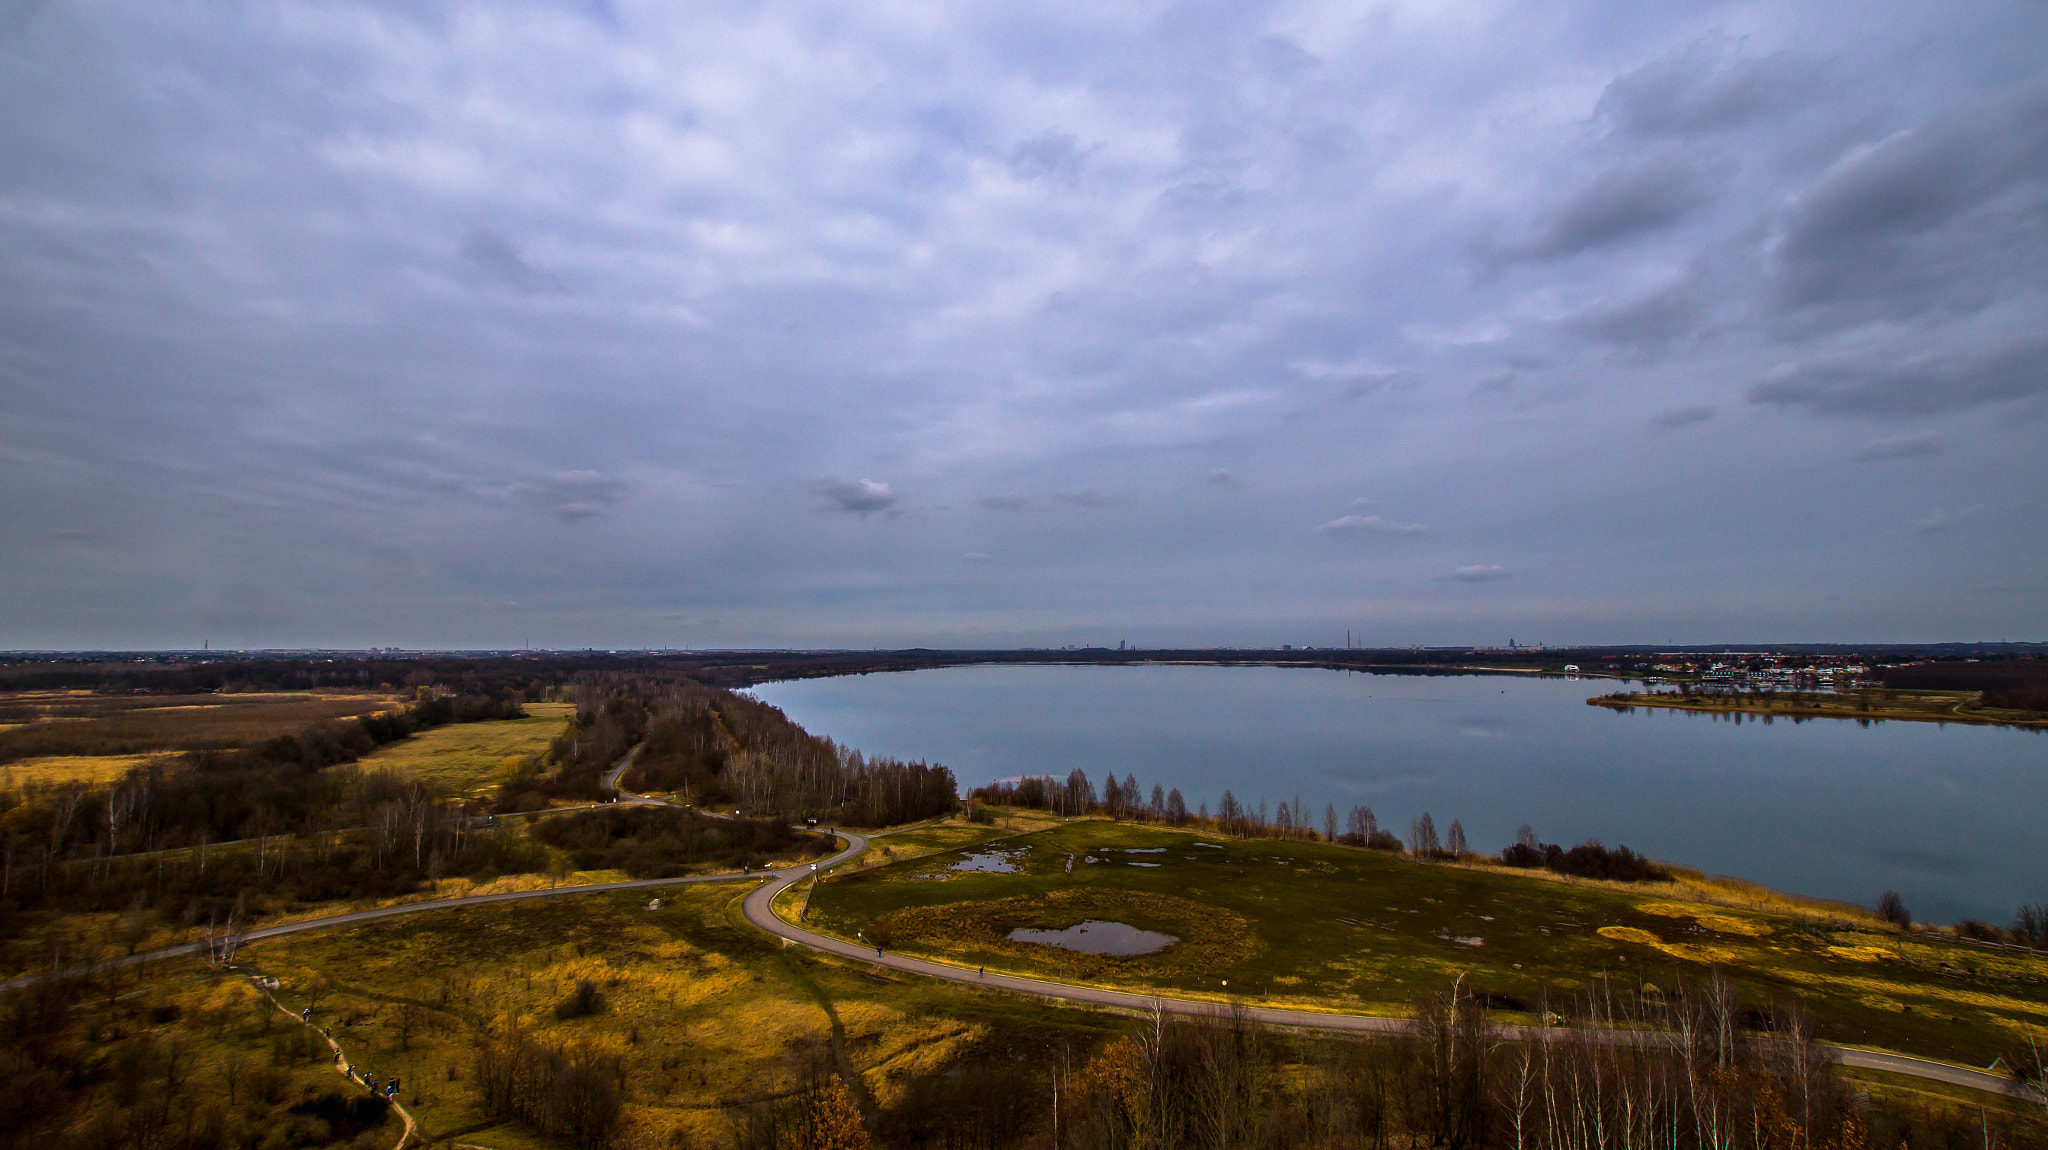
x=989, y=862
x=1093, y=937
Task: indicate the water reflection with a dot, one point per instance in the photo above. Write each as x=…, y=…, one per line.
x=1095, y=937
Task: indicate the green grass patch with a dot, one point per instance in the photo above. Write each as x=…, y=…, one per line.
x=1335, y=928
x=471, y=758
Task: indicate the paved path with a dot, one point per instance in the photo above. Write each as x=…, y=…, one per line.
x=361, y=916
x=758, y=910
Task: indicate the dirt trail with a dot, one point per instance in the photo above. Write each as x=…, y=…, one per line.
x=344, y=1067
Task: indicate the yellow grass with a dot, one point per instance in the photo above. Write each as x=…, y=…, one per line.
x=67, y=768
x=469, y=758
x=703, y=1016
x=1720, y=923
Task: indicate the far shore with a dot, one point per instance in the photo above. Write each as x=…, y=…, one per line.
x=1866, y=706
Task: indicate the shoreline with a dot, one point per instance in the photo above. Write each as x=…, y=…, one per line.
x=1916, y=707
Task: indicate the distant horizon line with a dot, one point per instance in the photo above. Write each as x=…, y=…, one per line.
x=1280, y=649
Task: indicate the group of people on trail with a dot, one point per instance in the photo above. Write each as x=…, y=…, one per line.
x=349, y=1068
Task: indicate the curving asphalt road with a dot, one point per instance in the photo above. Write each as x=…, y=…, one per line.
x=758, y=911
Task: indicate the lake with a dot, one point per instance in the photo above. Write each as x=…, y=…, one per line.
x=1949, y=816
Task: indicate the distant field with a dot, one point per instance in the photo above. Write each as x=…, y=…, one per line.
x=45, y=724
x=1331, y=927
x=67, y=768
x=466, y=758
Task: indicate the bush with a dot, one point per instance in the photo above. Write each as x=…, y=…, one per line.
x=1587, y=860
x=583, y=1001
x=2030, y=925
x=661, y=842
x=1979, y=930
x=1892, y=909
x=345, y=1115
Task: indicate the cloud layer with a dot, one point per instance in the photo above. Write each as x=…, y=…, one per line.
x=342, y=322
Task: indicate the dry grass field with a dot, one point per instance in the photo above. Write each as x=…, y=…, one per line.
x=45, y=724
x=707, y=1014
x=470, y=758
x=51, y=769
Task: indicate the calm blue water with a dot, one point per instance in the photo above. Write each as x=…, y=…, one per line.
x=1951, y=817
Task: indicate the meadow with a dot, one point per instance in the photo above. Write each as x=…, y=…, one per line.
x=46, y=725
x=470, y=759
x=1319, y=926
x=708, y=1019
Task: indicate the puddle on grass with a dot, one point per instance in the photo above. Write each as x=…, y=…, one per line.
x=1096, y=937
x=989, y=862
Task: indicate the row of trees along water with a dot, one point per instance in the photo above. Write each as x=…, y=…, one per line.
x=1127, y=799
x=717, y=749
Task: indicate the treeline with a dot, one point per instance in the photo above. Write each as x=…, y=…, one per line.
x=275, y=787
x=1587, y=860
x=718, y=749
x=1617, y=1069
x=2017, y=683
x=574, y=1092
x=1126, y=799
x=528, y=677
x=661, y=842
x=1698, y=1081
x=220, y=835
x=382, y=837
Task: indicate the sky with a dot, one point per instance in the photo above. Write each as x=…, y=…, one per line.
x=624, y=324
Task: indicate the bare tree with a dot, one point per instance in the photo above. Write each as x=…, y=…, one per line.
x=1892, y=909
x=1422, y=840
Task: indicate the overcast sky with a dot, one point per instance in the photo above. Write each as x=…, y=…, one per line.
x=786, y=324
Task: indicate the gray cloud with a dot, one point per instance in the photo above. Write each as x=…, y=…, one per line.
x=1050, y=156
x=1918, y=444
x=1945, y=215
x=1480, y=573
x=501, y=260
x=1935, y=521
x=1679, y=417
x=1924, y=384
x=1705, y=86
x=862, y=497
x=1353, y=524
x=573, y=496
x=1645, y=322
x=288, y=350
x=1623, y=203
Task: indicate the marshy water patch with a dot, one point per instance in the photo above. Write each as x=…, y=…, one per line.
x=1000, y=861
x=1095, y=936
